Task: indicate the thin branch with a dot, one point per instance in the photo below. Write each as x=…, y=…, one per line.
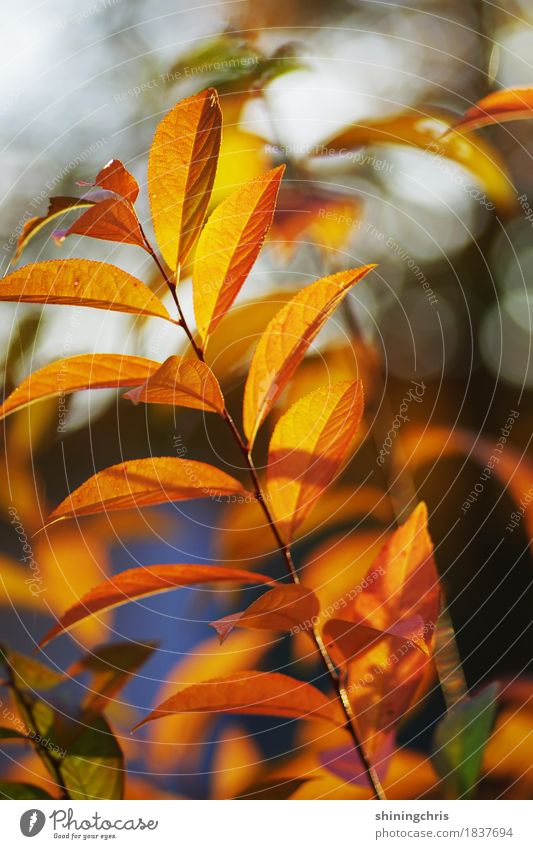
x=285, y=551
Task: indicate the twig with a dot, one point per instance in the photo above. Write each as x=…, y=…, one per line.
x=284, y=550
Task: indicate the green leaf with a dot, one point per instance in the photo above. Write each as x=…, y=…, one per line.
x=28, y=673
x=18, y=790
x=93, y=767
x=12, y=734
x=460, y=741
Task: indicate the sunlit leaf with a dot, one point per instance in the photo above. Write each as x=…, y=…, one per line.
x=145, y=581
x=308, y=446
x=181, y=171
x=460, y=740
x=384, y=678
x=509, y=104
x=428, y=131
x=279, y=609
x=346, y=639
x=153, y=480
x=184, y=382
x=249, y=692
x=57, y=206
x=114, y=177
x=228, y=247
x=285, y=341
x=86, y=371
x=112, y=220
x=81, y=282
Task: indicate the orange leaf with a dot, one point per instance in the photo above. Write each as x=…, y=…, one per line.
x=264, y=693
x=87, y=371
x=181, y=171
x=282, y=346
x=113, y=220
x=510, y=104
x=153, y=480
x=57, y=206
x=346, y=639
x=114, y=177
x=308, y=446
x=229, y=245
x=82, y=282
x=184, y=382
x=279, y=609
x=384, y=679
x=144, y=581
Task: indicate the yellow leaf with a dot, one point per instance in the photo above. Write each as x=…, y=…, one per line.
x=153, y=480
x=282, y=346
x=87, y=371
x=228, y=247
x=184, y=382
x=82, y=282
x=181, y=171
x=308, y=446
x=250, y=692
x=428, y=131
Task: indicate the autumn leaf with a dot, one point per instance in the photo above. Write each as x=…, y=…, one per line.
x=145, y=581
x=429, y=131
x=86, y=371
x=250, y=692
x=112, y=220
x=385, y=678
x=280, y=609
x=308, y=446
x=509, y=104
x=283, y=344
x=181, y=171
x=114, y=177
x=152, y=480
x=347, y=639
x=81, y=282
x=184, y=382
x=57, y=207
x=229, y=245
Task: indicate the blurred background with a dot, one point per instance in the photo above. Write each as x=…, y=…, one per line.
x=354, y=97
